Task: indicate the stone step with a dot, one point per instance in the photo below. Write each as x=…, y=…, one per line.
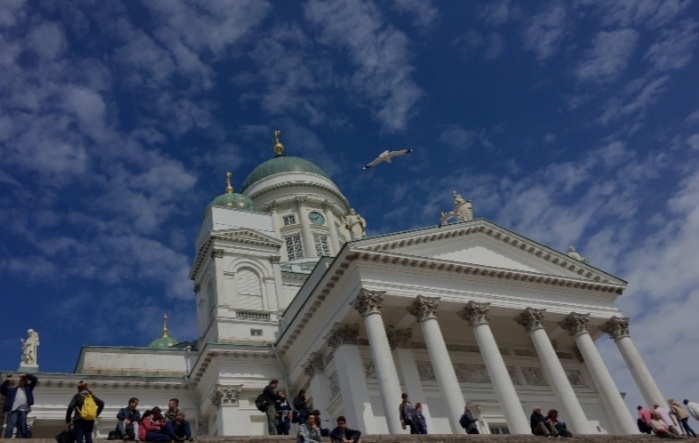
x=432, y=438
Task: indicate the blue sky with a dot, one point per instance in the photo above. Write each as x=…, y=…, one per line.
x=572, y=123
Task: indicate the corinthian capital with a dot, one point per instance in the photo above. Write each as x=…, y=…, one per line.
x=399, y=338
x=226, y=395
x=342, y=335
x=575, y=323
x=532, y=319
x=616, y=327
x=475, y=313
x=368, y=302
x=314, y=365
x=424, y=308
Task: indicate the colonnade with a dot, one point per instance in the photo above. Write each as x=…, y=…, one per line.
x=385, y=345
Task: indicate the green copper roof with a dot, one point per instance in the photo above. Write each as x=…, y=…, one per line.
x=280, y=164
x=163, y=342
x=232, y=200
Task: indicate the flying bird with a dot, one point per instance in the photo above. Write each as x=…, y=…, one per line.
x=387, y=156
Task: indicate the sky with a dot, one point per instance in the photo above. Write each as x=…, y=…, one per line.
x=571, y=123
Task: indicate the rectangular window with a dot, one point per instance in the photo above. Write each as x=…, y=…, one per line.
x=256, y=332
x=289, y=220
x=321, y=242
x=293, y=247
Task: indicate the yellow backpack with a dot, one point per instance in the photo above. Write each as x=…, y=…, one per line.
x=89, y=410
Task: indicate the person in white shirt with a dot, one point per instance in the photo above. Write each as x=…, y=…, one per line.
x=692, y=408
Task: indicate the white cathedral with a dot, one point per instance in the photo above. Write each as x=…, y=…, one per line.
x=286, y=288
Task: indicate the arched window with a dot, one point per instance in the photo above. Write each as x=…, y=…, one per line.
x=249, y=290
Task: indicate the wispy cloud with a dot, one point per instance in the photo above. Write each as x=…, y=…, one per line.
x=424, y=12
x=675, y=47
x=608, y=56
x=544, y=31
x=379, y=53
x=638, y=96
x=650, y=13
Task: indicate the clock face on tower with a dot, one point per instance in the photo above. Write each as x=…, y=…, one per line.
x=316, y=218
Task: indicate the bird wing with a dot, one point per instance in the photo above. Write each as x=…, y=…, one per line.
x=398, y=153
x=376, y=161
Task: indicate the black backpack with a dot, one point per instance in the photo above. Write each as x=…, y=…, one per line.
x=261, y=403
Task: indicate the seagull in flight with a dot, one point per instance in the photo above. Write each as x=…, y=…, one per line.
x=387, y=156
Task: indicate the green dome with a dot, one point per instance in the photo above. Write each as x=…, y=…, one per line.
x=163, y=342
x=233, y=200
x=280, y=164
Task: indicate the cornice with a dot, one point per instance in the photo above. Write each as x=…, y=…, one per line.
x=324, y=187
x=98, y=382
x=208, y=356
x=434, y=264
x=429, y=235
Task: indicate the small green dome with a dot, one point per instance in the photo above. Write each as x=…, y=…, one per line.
x=163, y=342
x=280, y=164
x=233, y=200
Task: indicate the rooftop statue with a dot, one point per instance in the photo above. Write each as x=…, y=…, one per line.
x=29, y=348
x=278, y=147
x=463, y=210
x=572, y=253
x=356, y=224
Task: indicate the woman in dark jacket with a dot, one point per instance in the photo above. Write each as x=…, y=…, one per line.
x=283, y=414
x=301, y=407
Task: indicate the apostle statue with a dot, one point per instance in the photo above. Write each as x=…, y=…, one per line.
x=29, y=347
x=463, y=210
x=355, y=224
x=572, y=253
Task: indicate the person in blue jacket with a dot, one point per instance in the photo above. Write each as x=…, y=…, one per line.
x=18, y=402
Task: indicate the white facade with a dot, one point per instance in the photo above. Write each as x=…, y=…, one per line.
x=469, y=312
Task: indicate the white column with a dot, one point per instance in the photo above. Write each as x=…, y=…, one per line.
x=356, y=403
x=330, y=220
x=476, y=314
x=618, y=329
x=573, y=414
x=228, y=415
x=425, y=311
x=320, y=385
x=369, y=303
x=408, y=373
x=576, y=324
x=309, y=246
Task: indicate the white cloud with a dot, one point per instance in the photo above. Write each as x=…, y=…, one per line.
x=650, y=13
x=608, y=56
x=639, y=96
x=674, y=49
x=693, y=141
x=500, y=12
x=544, y=32
x=424, y=12
x=693, y=117
x=549, y=137
x=379, y=53
x=11, y=11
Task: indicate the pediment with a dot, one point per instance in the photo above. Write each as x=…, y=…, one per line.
x=482, y=243
x=247, y=236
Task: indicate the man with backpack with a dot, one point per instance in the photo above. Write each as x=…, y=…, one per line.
x=83, y=409
x=129, y=418
x=270, y=394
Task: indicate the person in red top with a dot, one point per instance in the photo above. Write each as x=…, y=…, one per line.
x=149, y=431
x=644, y=424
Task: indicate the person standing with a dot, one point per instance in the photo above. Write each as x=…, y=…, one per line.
x=283, y=411
x=18, y=403
x=644, y=420
x=82, y=410
x=682, y=416
x=468, y=421
x=407, y=414
x=270, y=394
x=301, y=407
x=420, y=419
x=693, y=408
x=129, y=418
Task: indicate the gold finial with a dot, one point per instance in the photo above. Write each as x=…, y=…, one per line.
x=229, y=188
x=164, y=325
x=278, y=147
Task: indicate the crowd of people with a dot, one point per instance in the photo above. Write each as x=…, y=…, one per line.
x=664, y=422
